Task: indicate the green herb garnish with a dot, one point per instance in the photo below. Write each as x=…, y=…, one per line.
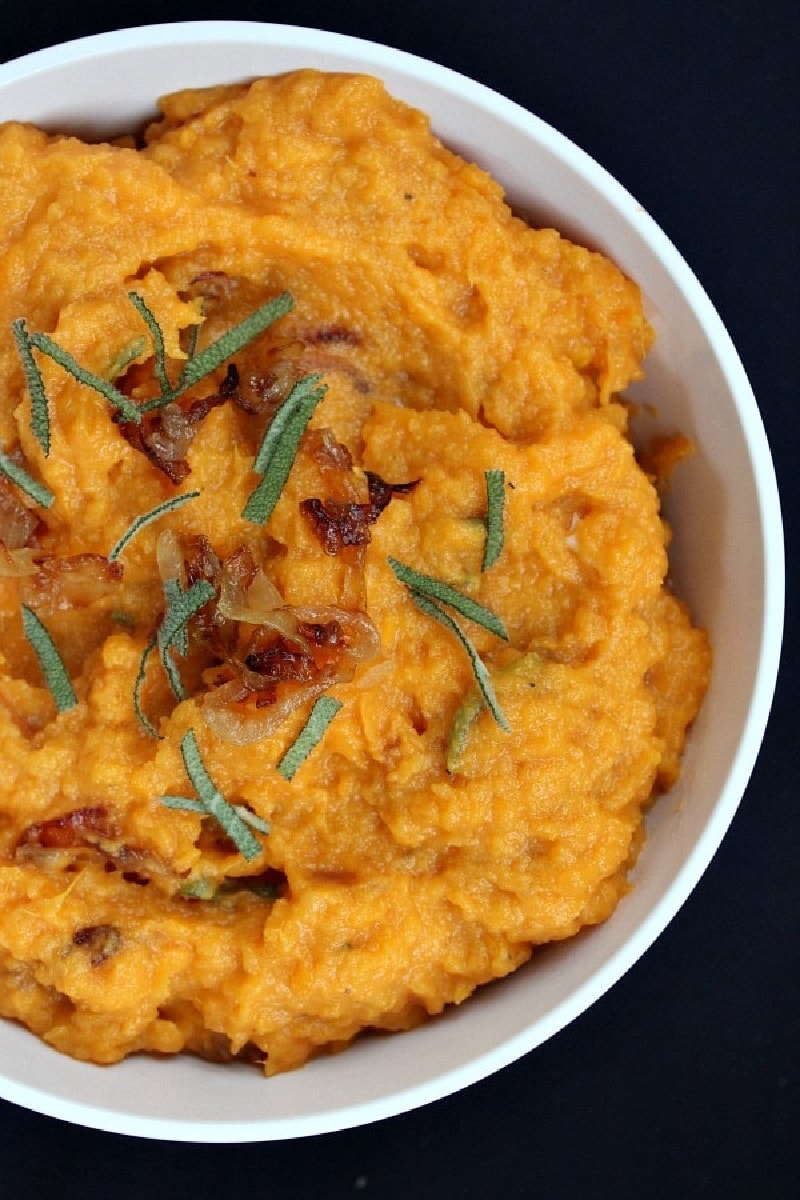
x=430, y=595
x=465, y=717
x=156, y=337
x=190, y=804
x=495, y=501
x=443, y=593
x=25, y=482
x=467, y=712
x=40, y=413
x=26, y=342
x=124, y=357
x=181, y=608
x=211, y=801
x=172, y=593
x=137, y=690
x=231, y=342
x=320, y=717
x=195, y=369
x=279, y=446
x=433, y=609
x=146, y=519
x=197, y=889
x=203, y=888
x=172, y=634
x=252, y=819
x=53, y=669
x=192, y=336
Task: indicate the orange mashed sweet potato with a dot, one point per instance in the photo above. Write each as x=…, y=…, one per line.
x=426, y=843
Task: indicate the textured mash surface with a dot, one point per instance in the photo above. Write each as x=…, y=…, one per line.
x=453, y=340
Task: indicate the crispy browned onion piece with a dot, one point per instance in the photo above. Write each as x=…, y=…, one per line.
x=338, y=525
x=17, y=523
x=268, y=658
x=165, y=435
x=274, y=673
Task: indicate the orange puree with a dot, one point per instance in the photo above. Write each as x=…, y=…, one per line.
x=420, y=849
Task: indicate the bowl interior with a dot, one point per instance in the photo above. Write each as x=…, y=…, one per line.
x=727, y=563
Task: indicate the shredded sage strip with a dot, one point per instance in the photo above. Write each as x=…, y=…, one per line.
x=430, y=595
x=179, y=612
x=138, y=683
x=432, y=609
x=233, y=340
x=190, y=804
x=156, y=337
x=146, y=519
x=465, y=717
x=172, y=634
x=320, y=717
x=495, y=531
x=211, y=802
x=53, y=669
x=196, y=889
x=198, y=366
x=45, y=345
x=124, y=357
x=40, y=412
x=527, y=666
x=30, y=486
x=192, y=337
x=279, y=446
x=252, y=819
x=435, y=589
x=172, y=593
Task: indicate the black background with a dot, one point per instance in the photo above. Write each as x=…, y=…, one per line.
x=683, y=1080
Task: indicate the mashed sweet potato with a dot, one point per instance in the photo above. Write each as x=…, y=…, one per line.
x=427, y=842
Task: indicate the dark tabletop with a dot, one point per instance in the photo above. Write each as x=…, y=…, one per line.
x=683, y=1080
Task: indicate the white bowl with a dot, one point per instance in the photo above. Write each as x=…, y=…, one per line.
x=727, y=562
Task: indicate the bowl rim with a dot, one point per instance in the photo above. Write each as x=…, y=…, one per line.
x=379, y=56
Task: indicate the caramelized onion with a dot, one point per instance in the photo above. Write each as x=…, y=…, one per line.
x=74, y=582
x=272, y=657
x=80, y=827
x=262, y=391
x=240, y=722
x=169, y=558
x=362, y=641
x=17, y=564
x=17, y=523
x=159, y=446
x=275, y=675
x=323, y=448
x=200, y=560
x=238, y=572
x=338, y=526
x=262, y=595
x=165, y=435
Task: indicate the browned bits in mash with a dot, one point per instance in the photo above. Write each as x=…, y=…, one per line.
x=337, y=524
x=333, y=335
x=91, y=835
x=311, y=655
x=71, y=582
x=165, y=435
x=17, y=522
x=81, y=827
x=102, y=941
x=280, y=659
